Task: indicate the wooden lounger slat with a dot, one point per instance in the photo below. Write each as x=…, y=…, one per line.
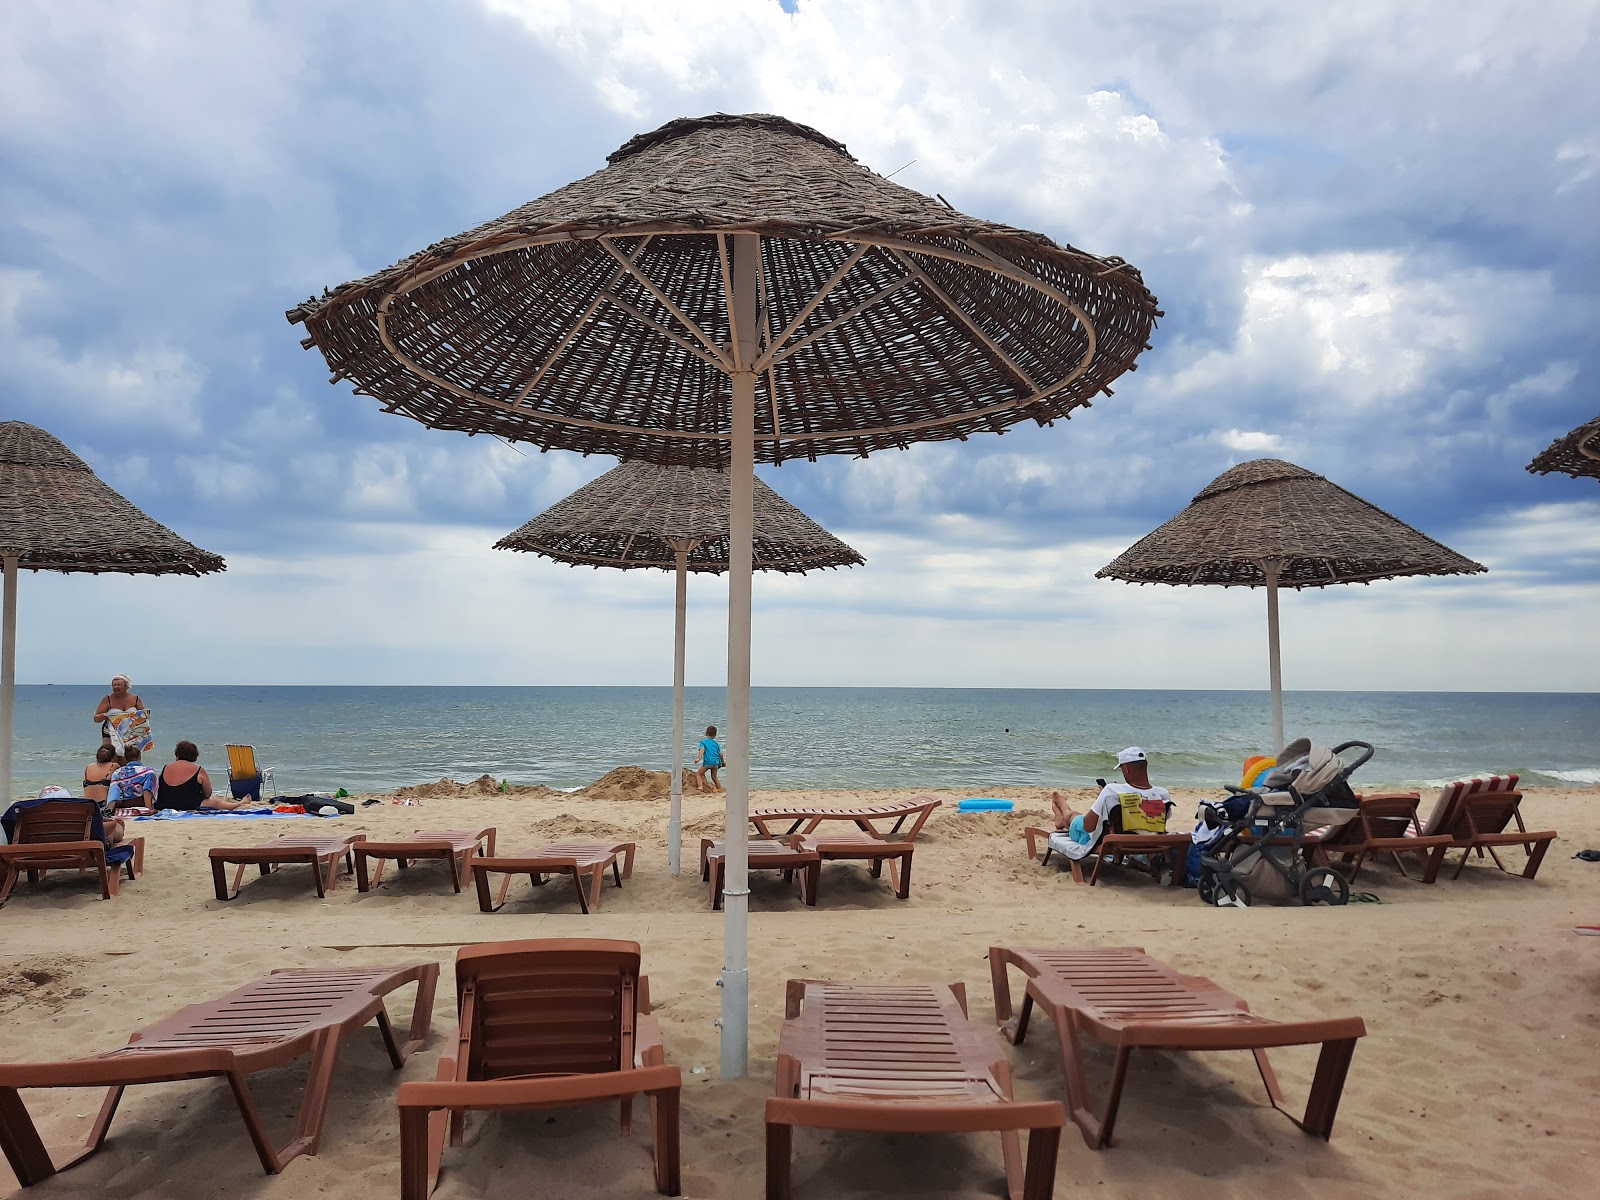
x=584, y=862
x=453, y=846
x=188, y=1045
x=804, y=819
x=900, y=1058
x=1129, y=1000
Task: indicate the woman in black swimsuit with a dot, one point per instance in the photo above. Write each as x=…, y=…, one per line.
x=97, y=775
x=185, y=785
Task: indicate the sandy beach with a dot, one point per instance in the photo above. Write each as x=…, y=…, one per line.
x=1478, y=1076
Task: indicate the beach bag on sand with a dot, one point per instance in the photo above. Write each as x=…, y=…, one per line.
x=1266, y=883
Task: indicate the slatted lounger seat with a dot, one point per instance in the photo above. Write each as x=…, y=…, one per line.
x=269, y=1023
x=900, y=1059
x=868, y=848
x=453, y=846
x=1125, y=998
x=1163, y=852
x=917, y=810
x=585, y=862
x=321, y=854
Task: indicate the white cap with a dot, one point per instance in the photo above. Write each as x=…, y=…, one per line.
x=1131, y=755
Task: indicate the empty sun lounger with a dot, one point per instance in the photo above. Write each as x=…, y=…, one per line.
x=269, y=1023
x=900, y=1059
x=321, y=854
x=1482, y=823
x=871, y=849
x=1387, y=824
x=763, y=854
x=805, y=820
x=585, y=862
x=1158, y=854
x=64, y=835
x=544, y=1024
x=1125, y=998
x=453, y=846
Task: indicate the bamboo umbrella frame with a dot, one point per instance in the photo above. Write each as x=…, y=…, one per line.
x=1577, y=454
x=57, y=515
x=1270, y=523
x=728, y=289
x=641, y=515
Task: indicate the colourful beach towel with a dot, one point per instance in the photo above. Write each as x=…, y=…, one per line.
x=129, y=727
x=172, y=814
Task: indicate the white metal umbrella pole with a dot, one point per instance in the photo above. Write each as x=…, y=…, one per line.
x=741, y=488
x=8, y=678
x=680, y=548
x=1271, y=567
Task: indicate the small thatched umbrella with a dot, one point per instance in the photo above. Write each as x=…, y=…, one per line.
x=1576, y=454
x=1271, y=523
x=674, y=519
x=727, y=289
x=56, y=515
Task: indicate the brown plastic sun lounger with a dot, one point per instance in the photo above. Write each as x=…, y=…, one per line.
x=269, y=1023
x=917, y=810
x=1482, y=823
x=1387, y=824
x=869, y=848
x=585, y=862
x=65, y=835
x=453, y=846
x=544, y=1024
x=772, y=854
x=1159, y=851
x=1128, y=1000
x=900, y=1059
x=321, y=854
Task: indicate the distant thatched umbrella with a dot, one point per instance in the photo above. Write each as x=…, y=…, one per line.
x=56, y=515
x=727, y=289
x=1271, y=523
x=1576, y=454
x=674, y=518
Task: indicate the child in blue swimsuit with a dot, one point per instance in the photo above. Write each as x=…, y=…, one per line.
x=709, y=759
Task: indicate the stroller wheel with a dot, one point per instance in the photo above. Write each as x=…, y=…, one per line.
x=1209, y=891
x=1234, y=895
x=1322, y=886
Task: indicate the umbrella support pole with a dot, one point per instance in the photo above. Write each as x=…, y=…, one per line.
x=735, y=981
x=680, y=549
x=1271, y=568
x=8, y=678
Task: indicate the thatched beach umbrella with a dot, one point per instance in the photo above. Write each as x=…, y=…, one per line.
x=1271, y=523
x=642, y=515
x=1576, y=454
x=727, y=289
x=56, y=515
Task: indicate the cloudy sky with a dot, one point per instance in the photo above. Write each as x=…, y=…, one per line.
x=1372, y=227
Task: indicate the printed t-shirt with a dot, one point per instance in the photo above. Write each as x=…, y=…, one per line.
x=127, y=784
x=1142, y=810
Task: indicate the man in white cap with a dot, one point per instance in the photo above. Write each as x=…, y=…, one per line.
x=1132, y=806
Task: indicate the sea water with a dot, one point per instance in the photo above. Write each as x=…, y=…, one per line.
x=982, y=740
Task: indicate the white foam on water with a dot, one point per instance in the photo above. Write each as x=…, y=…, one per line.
x=1581, y=775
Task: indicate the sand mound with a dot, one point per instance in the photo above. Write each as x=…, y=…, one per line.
x=629, y=783
x=483, y=785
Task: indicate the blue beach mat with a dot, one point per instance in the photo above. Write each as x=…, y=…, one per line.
x=985, y=804
x=171, y=814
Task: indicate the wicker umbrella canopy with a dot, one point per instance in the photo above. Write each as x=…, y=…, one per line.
x=1270, y=523
x=676, y=519
x=56, y=515
x=1576, y=454
x=731, y=289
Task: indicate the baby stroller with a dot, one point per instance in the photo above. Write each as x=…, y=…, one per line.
x=1259, y=855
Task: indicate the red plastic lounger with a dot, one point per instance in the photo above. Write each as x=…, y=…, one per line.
x=321, y=854
x=544, y=1024
x=917, y=810
x=868, y=848
x=585, y=862
x=268, y=1023
x=453, y=846
x=1125, y=998
x=64, y=835
x=900, y=1059
x=1162, y=851
x=1387, y=824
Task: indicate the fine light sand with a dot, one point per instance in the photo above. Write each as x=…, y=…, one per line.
x=1478, y=1077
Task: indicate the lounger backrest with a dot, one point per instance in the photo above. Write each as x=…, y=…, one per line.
x=556, y=1006
x=242, y=762
x=1389, y=816
x=57, y=821
x=1446, y=808
x=1487, y=813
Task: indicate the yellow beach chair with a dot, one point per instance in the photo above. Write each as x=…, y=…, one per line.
x=246, y=776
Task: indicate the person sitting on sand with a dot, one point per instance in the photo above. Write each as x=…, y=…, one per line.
x=97, y=775
x=133, y=785
x=709, y=759
x=186, y=787
x=1133, y=806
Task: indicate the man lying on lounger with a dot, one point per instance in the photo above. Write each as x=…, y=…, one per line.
x=1132, y=806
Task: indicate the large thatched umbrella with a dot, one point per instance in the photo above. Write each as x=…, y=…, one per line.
x=1271, y=523
x=727, y=289
x=1578, y=453
x=56, y=515
x=674, y=519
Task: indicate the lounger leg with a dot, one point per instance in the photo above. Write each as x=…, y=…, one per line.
x=1432, y=862
x=664, y=1129
x=1462, y=863
x=904, y=871
x=616, y=873
x=813, y=882
x=102, y=1120
x=25, y=1150
x=363, y=883
x=583, y=898
x=416, y=1138
x=1327, y=1086
x=486, y=902
x=1001, y=985
x=314, y=1105
x=1040, y=1181
x=271, y=1162
x=1010, y=1143
x=458, y=868
x=1072, y=1075
x=1535, y=858
x=627, y=863
x=716, y=884
x=1119, y=1076
x=780, y=1146
x=10, y=881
